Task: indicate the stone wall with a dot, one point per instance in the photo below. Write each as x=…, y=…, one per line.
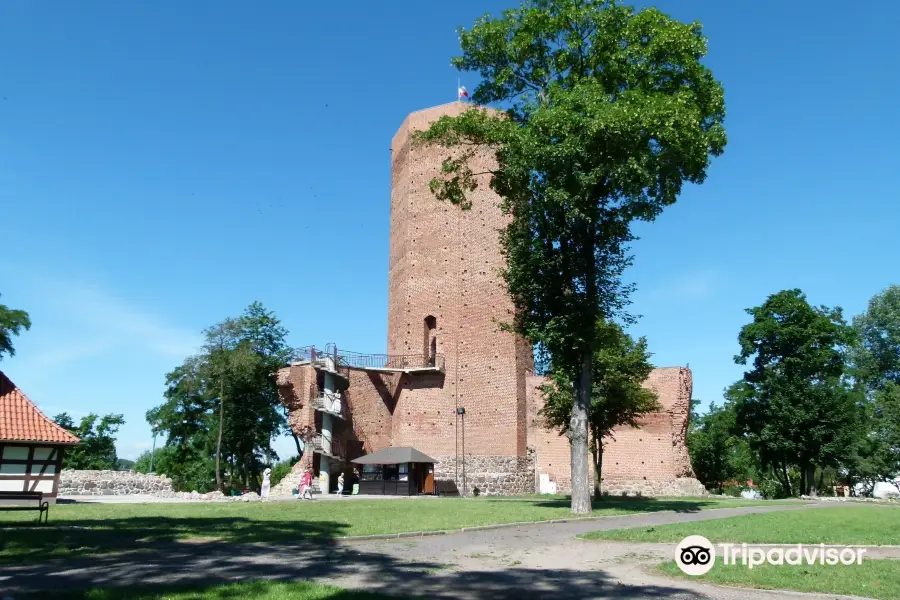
x=113, y=483
x=489, y=475
x=684, y=486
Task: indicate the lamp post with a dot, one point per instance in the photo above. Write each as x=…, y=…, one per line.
x=462, y=414
x=153, y=451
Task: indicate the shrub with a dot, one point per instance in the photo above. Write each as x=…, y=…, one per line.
x=281, y=470
x=732, y=490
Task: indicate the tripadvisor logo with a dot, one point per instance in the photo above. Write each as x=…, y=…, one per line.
x=696, y=555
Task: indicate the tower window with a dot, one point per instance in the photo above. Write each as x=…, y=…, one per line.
x=429, y=342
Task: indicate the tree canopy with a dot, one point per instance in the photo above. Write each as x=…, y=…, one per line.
x=221, y=406
x=717, y=455
x=877, y=355
x=97, y=449
x=876, y=367
x=794, y=405
x=606, y=112
x=12, y=323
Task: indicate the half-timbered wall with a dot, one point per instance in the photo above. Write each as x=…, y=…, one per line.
x=30, y=468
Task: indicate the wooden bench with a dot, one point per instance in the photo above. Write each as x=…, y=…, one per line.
x=36, y=497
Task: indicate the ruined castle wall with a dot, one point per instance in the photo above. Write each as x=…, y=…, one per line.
x=296, y=387
x=552, y=453
x=651, y=460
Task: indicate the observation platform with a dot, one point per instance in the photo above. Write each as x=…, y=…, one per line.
x=332, y=360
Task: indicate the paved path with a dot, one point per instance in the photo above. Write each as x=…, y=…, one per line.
x=533, y=561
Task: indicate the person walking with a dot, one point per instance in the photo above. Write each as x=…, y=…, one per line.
x=307, y=485
x=340, y=489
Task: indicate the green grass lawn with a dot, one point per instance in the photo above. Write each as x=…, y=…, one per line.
x=97, y=528
x=254, y=590
x=875, y=525
x=872, y=578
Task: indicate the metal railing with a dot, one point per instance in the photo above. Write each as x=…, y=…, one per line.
x=359, y=360
x=313, y=354
x=328, y=446
x=391, y=361
x=332, y=403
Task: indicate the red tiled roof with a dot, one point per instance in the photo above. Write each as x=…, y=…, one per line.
x=22, y=421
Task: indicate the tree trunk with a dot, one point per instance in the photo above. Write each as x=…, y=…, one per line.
x=811, y=480
x=598, y=469
x=787, y=479
x=578, y=438
x=219, y=442
x=297, y=442
x=804, y=488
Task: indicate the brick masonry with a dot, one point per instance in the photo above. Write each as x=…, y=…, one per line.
x=444, y=265
x=651, y=460
x=446, y=295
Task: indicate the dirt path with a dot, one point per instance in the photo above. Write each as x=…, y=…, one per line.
x=533, y=561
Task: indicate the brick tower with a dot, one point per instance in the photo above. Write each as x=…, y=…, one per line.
x=445, y=352
x=446, y=297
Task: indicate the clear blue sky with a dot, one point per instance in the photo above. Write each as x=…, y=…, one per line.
x=163, y=164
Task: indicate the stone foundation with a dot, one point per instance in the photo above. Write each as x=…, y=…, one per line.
x=683, y=486
x=113, y=483
x=486, y=475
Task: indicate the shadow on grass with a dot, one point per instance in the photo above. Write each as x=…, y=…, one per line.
x=31, y=541
x=210, y=566
x=263, y=590
x=629, y=504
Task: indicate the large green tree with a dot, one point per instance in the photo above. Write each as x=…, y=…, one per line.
x=875, y=448
x=606, y=112
x=12, y=323
x=222, y=409
x=876, y=362
x=794, y=404
x=97, y=449
x=717, y=455
x=618, y=398
x=188, y=419
x=887, y=429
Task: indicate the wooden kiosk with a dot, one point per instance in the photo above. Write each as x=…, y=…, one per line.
x=396, y=472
